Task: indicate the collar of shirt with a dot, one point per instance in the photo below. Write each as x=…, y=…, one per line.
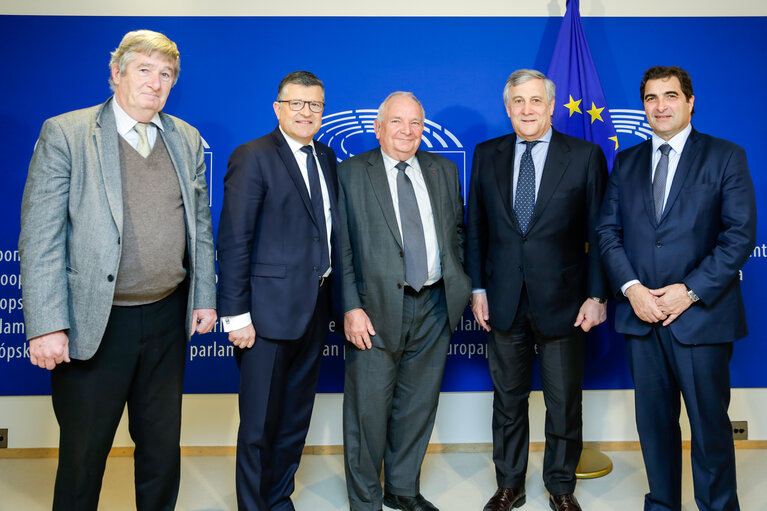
x=676, y=142
x=546, y=139
x=295, y=145
x=125, y=123
x=390, y=164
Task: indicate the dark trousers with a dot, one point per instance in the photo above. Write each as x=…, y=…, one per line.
x=510, y=356
x=140, y=361
x=278, y=380
x=663, y=368
x=390, y=402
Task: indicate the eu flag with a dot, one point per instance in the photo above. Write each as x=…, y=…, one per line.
x=581, y=109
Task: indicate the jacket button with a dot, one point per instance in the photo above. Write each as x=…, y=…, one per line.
x=316, y=238
x=399, y=285
x=524, y=239
x=110, y=278
x=401, y=254
x=658, y=243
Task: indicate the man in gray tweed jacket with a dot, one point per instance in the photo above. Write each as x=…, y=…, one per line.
x=117, y=266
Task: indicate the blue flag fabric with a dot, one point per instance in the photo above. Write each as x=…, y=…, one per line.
x=581, y=109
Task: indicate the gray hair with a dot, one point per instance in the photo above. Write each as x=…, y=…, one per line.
x=521, y=76
x=397, y=94
x=143, y=41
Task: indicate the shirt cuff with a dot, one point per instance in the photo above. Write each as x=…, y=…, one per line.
x=229, y=323
x=475, y=291
x=627, y=285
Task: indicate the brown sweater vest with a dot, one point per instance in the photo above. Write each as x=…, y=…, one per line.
x=154, y=231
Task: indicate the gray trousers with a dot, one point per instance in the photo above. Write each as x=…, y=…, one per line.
x=390, y=401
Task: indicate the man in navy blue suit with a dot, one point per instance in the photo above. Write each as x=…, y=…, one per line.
x=277, y=257
x=678, y=222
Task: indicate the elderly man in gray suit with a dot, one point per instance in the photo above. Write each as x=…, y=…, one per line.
x=402, y=237
x=117, y=265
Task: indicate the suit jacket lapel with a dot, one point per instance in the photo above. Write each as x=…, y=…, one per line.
x=380, y=185
x=553, y=170
x=326, y=174
x=330, y=183
x=289, y=160
x=688, y=156
x=644, y=179
x=108, y=149
x=503, y=166
x=432, y=176
x=172, y=139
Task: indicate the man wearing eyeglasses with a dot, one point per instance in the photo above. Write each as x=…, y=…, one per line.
x=277, y=256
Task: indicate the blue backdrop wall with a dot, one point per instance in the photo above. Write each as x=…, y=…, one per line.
x=456, y=66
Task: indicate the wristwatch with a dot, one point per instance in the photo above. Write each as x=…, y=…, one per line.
x=691, y=294
x=598, y=300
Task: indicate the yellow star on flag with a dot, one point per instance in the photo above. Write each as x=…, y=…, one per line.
x=573, y=106
x=615, y=138
x=595, y=113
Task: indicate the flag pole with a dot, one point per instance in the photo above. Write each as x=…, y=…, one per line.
x=581, y=111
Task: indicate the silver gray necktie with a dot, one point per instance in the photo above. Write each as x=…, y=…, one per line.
x=659, y=181
x=416, y=271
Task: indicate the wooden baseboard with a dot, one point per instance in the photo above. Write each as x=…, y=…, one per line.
x=229, y=450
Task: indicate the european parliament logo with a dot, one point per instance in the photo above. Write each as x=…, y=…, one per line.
x=628, y=124
x=351, y=132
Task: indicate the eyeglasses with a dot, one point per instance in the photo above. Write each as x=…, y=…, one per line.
x=298, y=104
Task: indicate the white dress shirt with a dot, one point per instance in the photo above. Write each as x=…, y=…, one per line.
x=230, y=323
x=413, y=171
x=677, y=143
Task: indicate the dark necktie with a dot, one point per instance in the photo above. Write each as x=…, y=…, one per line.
x=659, y=181
x=318, y=207
x=416, y=271
x=524, y=201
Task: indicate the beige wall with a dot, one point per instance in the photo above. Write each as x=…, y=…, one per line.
x=388, y=8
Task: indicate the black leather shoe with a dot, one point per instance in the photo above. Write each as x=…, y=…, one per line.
x=417, y=503
x=505, y=499
x=564, y=502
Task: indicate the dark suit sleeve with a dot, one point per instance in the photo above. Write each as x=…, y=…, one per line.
x=476, y=240
x=610, y=232
x=737, y=235
x=351, y=298
x=595, y=188
x=243, y=198
x=457, y=205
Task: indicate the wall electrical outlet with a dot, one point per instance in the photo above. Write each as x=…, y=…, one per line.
x=740, y=430
x=3, y=438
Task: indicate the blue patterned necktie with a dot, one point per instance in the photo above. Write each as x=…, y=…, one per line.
x=524, y=201
x=416, y=267
x=318, y=206
x=659, y=181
